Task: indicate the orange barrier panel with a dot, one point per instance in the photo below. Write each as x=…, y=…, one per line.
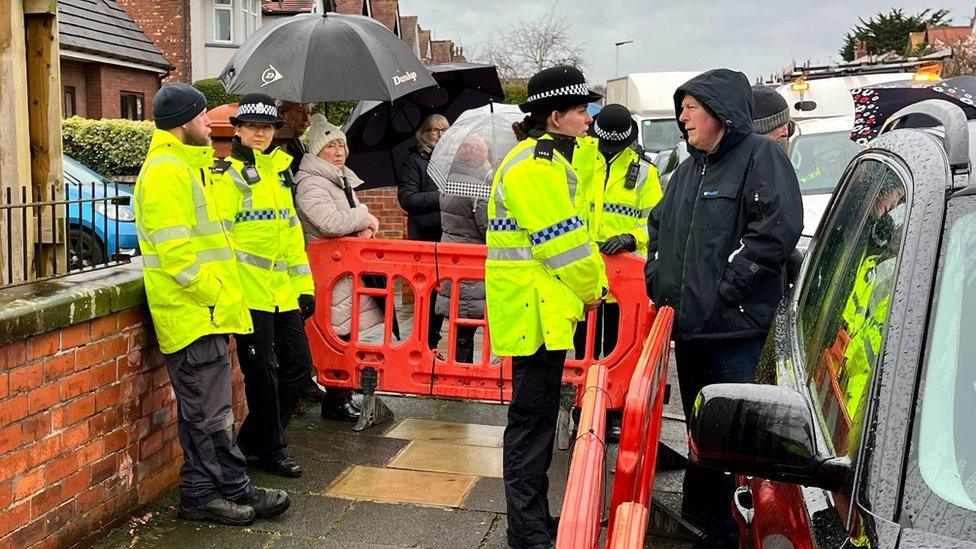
x=643, y=409
x=630, y=527
x=407, y=366
x=579, y=522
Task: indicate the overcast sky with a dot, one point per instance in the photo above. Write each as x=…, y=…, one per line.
x=758, y=37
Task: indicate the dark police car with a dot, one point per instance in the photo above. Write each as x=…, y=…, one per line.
x=861, y=428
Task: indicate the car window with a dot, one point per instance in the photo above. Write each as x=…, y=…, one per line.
x=940, y=495
x=820, y=158
x=846, y=301
x=660, y=135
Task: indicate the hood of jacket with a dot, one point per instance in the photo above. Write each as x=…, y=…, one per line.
x=315, y=166
x=164, y=142
x=728, y=96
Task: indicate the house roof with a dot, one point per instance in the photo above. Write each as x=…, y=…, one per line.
x=386, y=12
x=287, y=7
x=354, y=7
x=948, y=35
x=408, y=32
x=104, y=29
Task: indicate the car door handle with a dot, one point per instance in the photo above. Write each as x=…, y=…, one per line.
x=742, y=498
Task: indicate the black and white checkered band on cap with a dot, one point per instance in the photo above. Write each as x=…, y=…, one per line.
x=611, y=135
x=575, y=89
x=257, y=108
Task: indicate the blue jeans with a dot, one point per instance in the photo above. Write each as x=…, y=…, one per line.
x=707, y=492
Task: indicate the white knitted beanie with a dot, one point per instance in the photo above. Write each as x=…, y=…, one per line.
x=320, y=133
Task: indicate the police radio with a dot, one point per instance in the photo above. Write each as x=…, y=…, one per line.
x=251, y=174
x=633, y=172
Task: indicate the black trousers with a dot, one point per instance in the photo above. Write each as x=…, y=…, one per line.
x=213, y=466
x=465, y=344
x=529, y=438
x=276, y=362
x=708, y=492
x=607, y=329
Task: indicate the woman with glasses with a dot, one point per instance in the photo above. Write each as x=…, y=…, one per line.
x=419, y=197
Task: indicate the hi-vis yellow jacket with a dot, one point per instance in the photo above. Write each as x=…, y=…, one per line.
x=542, y=266
x=622, y=200
x=190, y=272
x=268, y=237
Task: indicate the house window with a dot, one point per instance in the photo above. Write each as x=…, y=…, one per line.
x=132, y=105
x=69, y=102
x=251, y=10
x=222, y=16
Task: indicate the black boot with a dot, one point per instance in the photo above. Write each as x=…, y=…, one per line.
x=220, y=511
x=269, y=503
x=283, y=467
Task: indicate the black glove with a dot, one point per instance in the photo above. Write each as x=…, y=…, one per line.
x=306, y=303
x=619, y=243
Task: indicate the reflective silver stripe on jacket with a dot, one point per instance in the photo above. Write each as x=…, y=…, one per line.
x=166, y=234
x=299, y=270
x=569, y=256
x=247, y=198
x=261, y=262
x=510, y=254
x=645, y=212
x=205, y=256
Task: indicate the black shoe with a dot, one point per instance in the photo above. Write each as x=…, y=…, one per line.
x=344, y=411
x=284, y=467
x=269, y=503
x=220, y=511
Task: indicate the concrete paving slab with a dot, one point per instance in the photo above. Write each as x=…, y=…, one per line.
x=482, y=413
x=488, y=494
x=346, y=447
x=310, y=516
x=450, y=432
x=441, y=457
x=317, y=476
x=428, y=527
x=298, y=542
x=188, y=534
x=401, y=486
x=497, y=537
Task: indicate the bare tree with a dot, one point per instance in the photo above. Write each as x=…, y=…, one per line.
x=528, y=47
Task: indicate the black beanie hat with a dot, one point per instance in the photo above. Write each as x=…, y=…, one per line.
x=769, y=109
x=177, y=104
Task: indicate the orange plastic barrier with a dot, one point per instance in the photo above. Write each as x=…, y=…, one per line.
x=630, y=527
x=407, y=366
x=579, y=522
x=643, y=409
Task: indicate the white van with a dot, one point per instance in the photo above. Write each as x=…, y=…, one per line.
x=650, y=98
x=830, y=97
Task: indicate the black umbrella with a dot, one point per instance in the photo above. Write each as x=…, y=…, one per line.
x=328, y=57
x=380, y=134
x=873, y=105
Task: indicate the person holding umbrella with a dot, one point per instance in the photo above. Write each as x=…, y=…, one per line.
x=296, y=117
x=277, y=280
x=418, y=196
x=542, y=272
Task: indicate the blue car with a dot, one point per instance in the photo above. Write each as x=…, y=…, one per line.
x=98, y=231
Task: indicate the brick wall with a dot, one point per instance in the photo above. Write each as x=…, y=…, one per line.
x=441, y=51
x=87, y=429
x=382, y=203
x=73, y=74
x=105, y=83
x=167, y=24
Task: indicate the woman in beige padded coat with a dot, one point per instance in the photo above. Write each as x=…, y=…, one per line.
x=328, y=208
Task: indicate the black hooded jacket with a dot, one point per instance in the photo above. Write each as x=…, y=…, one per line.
x=419, y=197
x=728, y=221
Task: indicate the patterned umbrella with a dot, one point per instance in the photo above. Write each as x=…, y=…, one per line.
x=873, y=105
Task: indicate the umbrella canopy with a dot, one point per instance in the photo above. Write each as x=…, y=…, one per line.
x=380, y=134
x=325, y=57
x=465, y=159
x=873, y=105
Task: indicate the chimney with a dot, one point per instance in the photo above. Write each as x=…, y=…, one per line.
x=862, y=49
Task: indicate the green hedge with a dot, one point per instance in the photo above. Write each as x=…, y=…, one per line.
x=110, y=147
x=515, y=93
x=213, y=90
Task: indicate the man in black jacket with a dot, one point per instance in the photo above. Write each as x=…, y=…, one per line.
x=729, y=219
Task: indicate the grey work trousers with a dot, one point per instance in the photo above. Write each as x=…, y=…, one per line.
x=213, y=466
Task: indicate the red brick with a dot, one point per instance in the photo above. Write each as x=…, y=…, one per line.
x=61, y=467
x=131, y=318
x=13, y=464
x=29, y=483
x=76, y=384
x=115, y=441
x=75, y=484
x=13, y=409
x=78, y=410
x=104, y=327
x=45, y=501
x=91, y=452
x=75, y=336
x=104, y=469
x=109, y=396
x=150, y=445
x=25, y=377
x=43, y=345
x=104, y=422
x=75, y=437
x=137, y=340
x=58, y=366
x=44, y=450
x=14, y=518
x=6, y=494
x=4, y=385
x=101, y=351
x=10, y=437
x=36, y=427
x=44, y=397
x=104, y=374
x=12, y=355
x=29, y=535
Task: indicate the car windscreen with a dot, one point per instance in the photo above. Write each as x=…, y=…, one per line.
x=820, y=160
x=660, y=135
x=943, y=456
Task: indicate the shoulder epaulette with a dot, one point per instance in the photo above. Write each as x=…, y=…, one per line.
x=544, y=148
x=221, y=166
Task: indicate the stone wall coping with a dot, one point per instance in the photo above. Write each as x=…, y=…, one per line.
x=40, y=307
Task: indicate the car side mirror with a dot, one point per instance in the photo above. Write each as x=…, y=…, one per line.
x=763, y=431
x=805, y=106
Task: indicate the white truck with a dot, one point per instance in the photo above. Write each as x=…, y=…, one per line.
x=650, y=98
